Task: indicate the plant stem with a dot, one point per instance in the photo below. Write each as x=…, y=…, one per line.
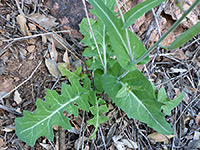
x=123, y=75
x=93, y=35
x=168, y=32
x=104, y=49
x=162, y=38
x=126, y=30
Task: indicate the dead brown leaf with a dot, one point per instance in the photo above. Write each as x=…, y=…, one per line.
x=6, y=86
x=120, y=143
x=53, y=51
x=32, y=27
x=32, y=41
x=44, y=21
x=169, y=15
x=74, y=33
x=24, y=51
x=31, y=48
x=66, y=59
x=57, y=41
x=158, y=137
x=8, y=17
x=128, y=4
x=21, y=20
x=179, y=55
x=53, y=67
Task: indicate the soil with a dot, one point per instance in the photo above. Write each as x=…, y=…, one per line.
x=22, y=68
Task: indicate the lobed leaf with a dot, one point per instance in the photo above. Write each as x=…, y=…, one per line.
x=102, y=40
x=100, y=34
x=168, y=104
x=118, y=36
x=99, y=107
x=76, y=74
x=34, y=125
x=84, y=29
x=139, y=10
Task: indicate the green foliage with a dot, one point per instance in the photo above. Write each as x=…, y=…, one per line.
x=118, y=37
x=168, y=105
x=33, y=125
x=186, y=36
x=115, y=74
x=99, y=107
x=134, y=95
x=139, y=10
x=76, y=74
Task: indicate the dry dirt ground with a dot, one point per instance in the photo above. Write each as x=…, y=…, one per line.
x=24, y=76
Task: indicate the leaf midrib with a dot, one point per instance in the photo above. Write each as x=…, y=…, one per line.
x=140, y=10
x=57, y=110
x=148, y=111
x=113, y=25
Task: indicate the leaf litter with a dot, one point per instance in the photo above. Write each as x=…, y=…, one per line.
x=44, y=21
x=164, y=70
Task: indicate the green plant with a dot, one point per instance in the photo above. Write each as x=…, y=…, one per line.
x=118, y=77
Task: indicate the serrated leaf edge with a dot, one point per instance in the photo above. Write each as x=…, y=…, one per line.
x=60, y=108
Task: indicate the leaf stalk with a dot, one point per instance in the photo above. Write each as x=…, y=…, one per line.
x=126, y=30
x=168, y=32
